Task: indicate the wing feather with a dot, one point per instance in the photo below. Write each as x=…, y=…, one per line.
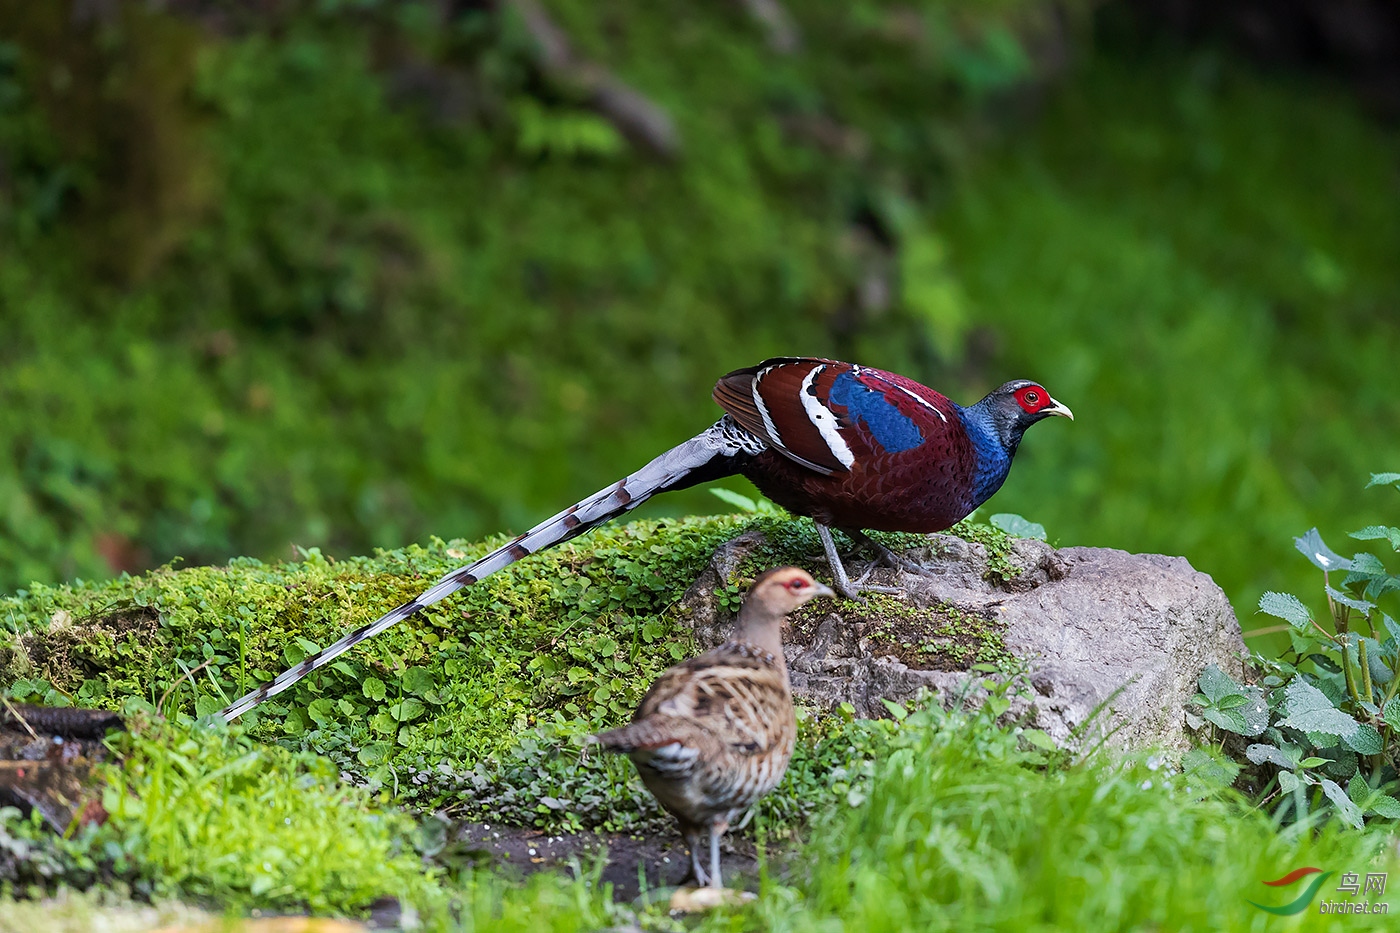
x=726, y=694
x=769, y=401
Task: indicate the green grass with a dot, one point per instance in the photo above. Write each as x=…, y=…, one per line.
x=73, y=911
x=224, y=820
x=966, y=830
x=238, y=822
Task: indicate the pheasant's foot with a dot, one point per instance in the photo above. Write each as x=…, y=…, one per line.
x=890, y=558
x=696, y=873
x=842, y=583
x=861, y=586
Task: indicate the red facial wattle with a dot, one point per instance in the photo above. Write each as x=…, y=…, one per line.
x=1033, y=399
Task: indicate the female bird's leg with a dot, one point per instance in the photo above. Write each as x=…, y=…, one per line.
x=844, y=586
x=717, y=828
x=692, y=840
x=888, y=557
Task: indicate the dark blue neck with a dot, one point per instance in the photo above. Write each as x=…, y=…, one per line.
x=993, y=447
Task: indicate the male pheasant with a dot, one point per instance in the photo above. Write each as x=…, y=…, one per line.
x=714, y=734
x=850, y=446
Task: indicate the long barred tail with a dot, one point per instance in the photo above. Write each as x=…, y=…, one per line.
x=720, y=451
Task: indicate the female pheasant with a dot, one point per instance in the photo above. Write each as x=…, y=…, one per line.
x=852, y=447
x=714, y=734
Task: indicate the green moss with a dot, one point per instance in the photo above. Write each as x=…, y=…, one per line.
x=577, y=632
x=944, y=638
x=795, y=541
x=997, y=543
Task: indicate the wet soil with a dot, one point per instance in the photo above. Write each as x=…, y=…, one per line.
x=636, y=867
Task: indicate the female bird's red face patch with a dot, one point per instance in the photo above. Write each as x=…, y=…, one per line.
x=1032, y=398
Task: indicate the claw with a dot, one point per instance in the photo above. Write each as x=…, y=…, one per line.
x=889, y=558
x=843, y=584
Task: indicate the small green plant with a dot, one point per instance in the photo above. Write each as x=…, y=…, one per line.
x=759, y=505
x=1017, y=526
x=1325, y=717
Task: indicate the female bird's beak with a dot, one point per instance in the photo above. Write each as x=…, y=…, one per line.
x=821, y=589
x=1057, y=408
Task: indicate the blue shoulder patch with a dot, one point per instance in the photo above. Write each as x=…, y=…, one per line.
x=892, y=429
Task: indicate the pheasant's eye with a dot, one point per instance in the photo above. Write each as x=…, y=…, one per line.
x=796, y=585
x=1032, y=398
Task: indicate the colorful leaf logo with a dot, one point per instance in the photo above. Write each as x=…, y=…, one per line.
x=1303, y=900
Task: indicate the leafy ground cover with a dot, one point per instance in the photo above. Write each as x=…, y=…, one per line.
x=1318, y=729
x=332, y=273
x=567, y=640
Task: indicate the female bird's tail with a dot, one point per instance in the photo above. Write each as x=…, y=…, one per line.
x=722, y=450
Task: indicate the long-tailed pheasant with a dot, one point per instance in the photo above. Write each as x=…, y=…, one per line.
x=850, y=446
x=714, y=734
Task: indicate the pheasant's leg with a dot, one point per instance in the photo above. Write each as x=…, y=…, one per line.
x=696, y=873
x=844, y=586
x=717, y=829
x=888, y=557
x=838, y=570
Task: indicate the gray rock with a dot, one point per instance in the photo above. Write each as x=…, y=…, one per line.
x=1093, y=626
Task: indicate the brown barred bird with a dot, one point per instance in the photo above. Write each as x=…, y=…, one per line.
x=714, y=734
x=851, y=446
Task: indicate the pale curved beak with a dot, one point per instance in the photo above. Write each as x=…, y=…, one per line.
x=821, y=589
x=1056, y=408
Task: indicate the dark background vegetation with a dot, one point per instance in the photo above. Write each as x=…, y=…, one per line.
x=347, y=273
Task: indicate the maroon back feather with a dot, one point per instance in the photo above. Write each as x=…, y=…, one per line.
x=920, y=487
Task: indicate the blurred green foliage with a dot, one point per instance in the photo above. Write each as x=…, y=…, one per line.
x=349, y=274
x=359, y=273
x=1202, y=262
